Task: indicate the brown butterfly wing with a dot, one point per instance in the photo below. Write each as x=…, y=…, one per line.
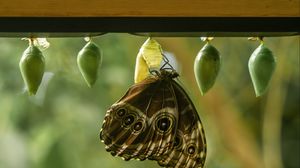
x=143, y=122
x=163, y=122
x=189, y=149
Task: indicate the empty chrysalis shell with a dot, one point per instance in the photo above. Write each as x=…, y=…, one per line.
x=32, y=66
x=261, y=66
x=149, y=57
x=206, y=67
x=88, y=60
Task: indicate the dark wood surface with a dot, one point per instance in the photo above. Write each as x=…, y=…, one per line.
x=148, y=26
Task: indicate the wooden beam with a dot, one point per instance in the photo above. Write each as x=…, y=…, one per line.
x=150, y=8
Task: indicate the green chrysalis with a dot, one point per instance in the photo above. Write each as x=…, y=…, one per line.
x=32, y=66
x=206, y=67
x=261, y=66
x=88, y=60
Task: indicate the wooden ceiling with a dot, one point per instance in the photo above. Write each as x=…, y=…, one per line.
x=150, y=8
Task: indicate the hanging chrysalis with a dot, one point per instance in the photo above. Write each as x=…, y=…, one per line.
x=88, y=60
x=149, y=57
x=206, y=66
x=32, y=67
x=261, y=66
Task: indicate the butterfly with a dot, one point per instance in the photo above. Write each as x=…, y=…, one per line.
x=156, y=120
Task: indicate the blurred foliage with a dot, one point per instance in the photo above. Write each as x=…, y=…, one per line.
x=60, y=126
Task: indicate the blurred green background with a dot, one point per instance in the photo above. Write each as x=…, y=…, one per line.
x=60, y=126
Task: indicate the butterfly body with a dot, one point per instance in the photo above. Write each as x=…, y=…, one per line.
x=156, y=120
